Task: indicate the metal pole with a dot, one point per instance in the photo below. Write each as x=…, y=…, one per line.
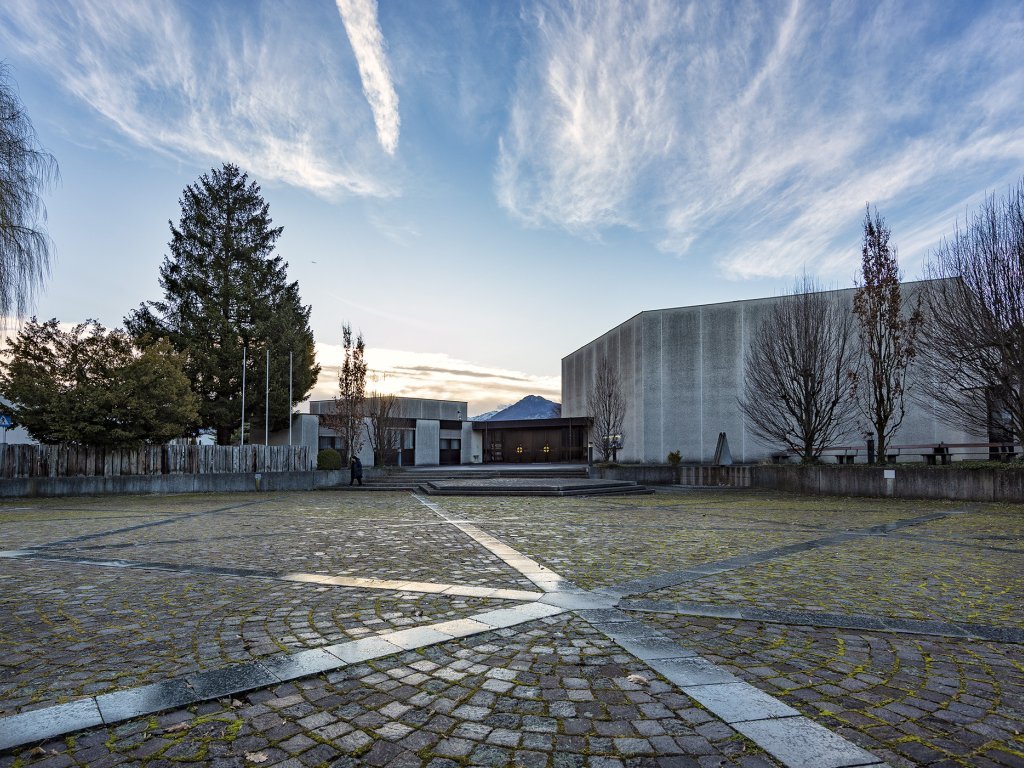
x=243, y=398
x=289, y=398
x=266, y=405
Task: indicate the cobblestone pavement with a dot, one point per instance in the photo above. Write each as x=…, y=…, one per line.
x=888, y=626
x=548, y=693
x=910, y=699
x=91, y=621
x=600, y=542
x=935, y=581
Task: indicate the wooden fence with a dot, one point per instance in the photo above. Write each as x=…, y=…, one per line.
x=78, y=461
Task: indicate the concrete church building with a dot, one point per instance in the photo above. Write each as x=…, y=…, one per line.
x=682, y=372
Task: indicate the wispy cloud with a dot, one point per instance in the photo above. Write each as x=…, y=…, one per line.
x=753, y=133
x=435, y=375
x=591, y=118
x=264, y=88
x=363, y=29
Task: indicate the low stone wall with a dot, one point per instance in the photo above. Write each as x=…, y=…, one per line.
x=664, y=474
x=908, y=482
x=228, y=482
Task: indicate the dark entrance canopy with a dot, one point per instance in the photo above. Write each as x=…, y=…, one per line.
x=534, y=440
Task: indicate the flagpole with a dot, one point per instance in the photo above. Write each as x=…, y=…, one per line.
x=266, y=404
x=243, y=398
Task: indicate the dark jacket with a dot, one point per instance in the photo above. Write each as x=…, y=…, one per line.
x=357, y=468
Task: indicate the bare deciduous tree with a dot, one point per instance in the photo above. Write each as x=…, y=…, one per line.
x=606, y=406
x=973, y=343
x=796, y=389
x=888, y=332
x=382, y=430
x=347, y=419
x=26, y=171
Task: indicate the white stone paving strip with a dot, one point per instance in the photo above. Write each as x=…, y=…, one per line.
x=539, y=574
x=399, y=585
x=118, y=706
x=773, y=725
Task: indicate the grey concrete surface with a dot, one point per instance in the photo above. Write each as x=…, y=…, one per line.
x=682, y=371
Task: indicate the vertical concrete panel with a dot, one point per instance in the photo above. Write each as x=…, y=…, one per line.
x=650, y=419
x=570, y=386
x=578, y=379
x=722, y=371
x=681, y=382
x=469, y=450
x=475, y=441
x=752, y=447
x=631, y=380
x=428, y=445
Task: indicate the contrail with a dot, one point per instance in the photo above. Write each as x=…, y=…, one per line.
x=363, y=29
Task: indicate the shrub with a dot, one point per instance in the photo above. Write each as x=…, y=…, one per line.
x=674, y=458
x=328, y=458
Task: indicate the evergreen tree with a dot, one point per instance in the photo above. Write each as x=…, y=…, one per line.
x=86, y=386
x=224, y=291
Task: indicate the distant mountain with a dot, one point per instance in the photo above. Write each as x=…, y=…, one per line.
x=489, y=415
x=530, y=407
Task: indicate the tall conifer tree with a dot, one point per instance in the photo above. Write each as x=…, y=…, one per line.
x=226, y=290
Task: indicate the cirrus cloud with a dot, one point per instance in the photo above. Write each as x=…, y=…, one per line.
x=756, y=131
x=213, y=84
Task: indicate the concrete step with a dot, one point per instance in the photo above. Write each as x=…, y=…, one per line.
x=532, y=487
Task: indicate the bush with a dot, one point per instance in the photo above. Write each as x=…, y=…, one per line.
x=328, y=458
x=674, y=458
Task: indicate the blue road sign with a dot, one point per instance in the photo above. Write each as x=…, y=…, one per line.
x=5, y=421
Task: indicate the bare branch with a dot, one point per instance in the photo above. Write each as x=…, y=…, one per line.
x=347, y=419
x=26, y=172
x=888, y=334
x=796, y=388
x=382, y=427
x=606, y=405
x=973, y=345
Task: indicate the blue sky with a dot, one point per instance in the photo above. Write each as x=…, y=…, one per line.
x=484, y=187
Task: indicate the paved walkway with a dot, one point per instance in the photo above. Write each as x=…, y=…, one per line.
x=680, y=629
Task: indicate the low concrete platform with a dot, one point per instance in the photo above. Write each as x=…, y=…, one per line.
x=531, y=486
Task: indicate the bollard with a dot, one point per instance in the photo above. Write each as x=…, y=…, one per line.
x=890, y=481
x=258, y=478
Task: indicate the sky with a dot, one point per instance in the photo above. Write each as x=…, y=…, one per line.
x=484, y=187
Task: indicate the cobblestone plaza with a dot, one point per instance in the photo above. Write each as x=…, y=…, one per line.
x=681, y=629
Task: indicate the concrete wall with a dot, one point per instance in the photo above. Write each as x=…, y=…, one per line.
x=738, y=476
x=145, y=484
x=305, y=431
x=943, y=483
x=682, y=372
x=428, y=446
x=436, y=410
x=909, y=482
x=472, y=445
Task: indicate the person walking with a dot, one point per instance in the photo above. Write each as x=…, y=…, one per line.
x=355, y=471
